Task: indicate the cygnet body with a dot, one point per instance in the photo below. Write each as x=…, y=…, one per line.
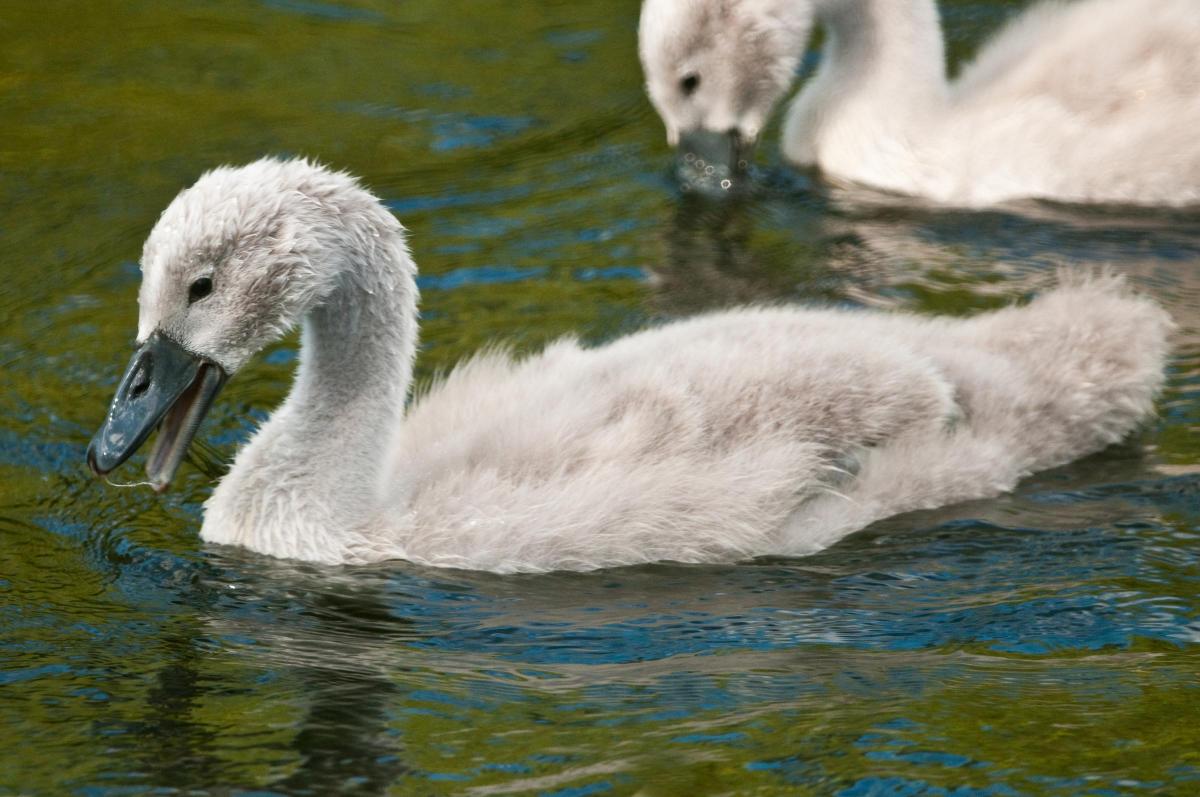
x=1089, y=101
x=717, y=438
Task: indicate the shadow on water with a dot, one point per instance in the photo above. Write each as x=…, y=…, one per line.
x=169, y=740
x=708, y=257
x=794, y=237
x=338, y=739
x=344, y=743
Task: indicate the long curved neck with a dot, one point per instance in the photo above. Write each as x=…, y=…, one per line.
x=314, y=474
x=881, y=82
x=891, y=50
x=357, y=351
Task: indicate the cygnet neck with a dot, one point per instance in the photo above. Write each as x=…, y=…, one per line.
x=890, y=50
x=357, y=350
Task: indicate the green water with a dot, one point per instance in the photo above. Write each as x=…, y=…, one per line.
x=1046, y=642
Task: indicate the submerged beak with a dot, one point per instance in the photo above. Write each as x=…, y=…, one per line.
x=713, y=162
x=165, y=386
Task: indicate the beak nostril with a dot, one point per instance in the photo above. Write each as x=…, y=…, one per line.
x=141, y=380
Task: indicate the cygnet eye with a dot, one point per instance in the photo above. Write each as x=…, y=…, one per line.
x=689, y=83
x=199, y=289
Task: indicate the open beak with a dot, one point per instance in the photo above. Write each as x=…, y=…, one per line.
x=713, y=162
x=167, y=387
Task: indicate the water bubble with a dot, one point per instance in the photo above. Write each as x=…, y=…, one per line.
x=726, y=183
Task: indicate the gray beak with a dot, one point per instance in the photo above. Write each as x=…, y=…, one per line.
x=713, y=162
x=165, y=387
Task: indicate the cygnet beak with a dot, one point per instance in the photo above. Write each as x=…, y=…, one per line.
x=165, y=386
x=714, y=162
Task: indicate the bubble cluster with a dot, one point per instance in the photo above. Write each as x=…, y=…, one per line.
x=711, y=162
x=699, y=174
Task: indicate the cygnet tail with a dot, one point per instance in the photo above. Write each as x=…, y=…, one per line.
x=1037, y=386
x=1087, y=362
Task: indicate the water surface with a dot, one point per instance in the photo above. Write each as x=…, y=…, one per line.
x=1045, y=642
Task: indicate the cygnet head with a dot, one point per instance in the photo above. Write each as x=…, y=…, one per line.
x=233, y=263
x=236, y=260
x=715, y=69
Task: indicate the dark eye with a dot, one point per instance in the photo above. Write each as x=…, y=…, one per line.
x=200, y=288
x=689, y=83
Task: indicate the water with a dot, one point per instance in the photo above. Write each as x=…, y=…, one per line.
x=1046, y=642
